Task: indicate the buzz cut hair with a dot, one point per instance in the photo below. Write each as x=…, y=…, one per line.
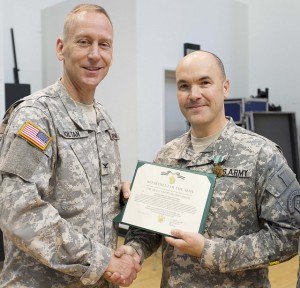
x=217, y=59
x=82, y=8
x=219, y=63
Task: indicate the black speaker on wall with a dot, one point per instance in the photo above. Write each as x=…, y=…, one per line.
x=14, y=92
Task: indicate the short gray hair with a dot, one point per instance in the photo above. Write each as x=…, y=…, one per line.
x=82, y=8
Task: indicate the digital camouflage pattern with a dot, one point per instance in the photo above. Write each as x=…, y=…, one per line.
x=57, y=205
x=252, y=219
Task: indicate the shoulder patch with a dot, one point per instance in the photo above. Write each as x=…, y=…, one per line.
x=294, y=202
x=34, y=135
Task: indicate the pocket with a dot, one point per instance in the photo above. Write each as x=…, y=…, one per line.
x=90, y=171
x=79, y=161
x=280, y=181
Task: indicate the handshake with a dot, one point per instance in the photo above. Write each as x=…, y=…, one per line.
x=123, y=267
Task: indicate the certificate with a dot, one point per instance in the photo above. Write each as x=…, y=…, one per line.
x=165, y=198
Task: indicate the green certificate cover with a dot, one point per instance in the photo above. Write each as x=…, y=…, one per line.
x=165, y=198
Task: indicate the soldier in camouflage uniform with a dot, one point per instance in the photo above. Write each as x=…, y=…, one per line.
x=60, y=171
x=253, y=215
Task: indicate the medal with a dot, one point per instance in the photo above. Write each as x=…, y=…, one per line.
x=217, y=168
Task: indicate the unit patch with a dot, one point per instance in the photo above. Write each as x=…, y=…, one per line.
x=34, y=135
x=294, y=201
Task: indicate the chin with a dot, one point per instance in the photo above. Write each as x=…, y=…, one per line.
x=91, y=83
x=198, y=119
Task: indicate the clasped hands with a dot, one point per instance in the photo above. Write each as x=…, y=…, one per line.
x=125, y=263
x=123, y=267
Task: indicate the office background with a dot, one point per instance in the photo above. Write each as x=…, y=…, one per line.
x=257, y=39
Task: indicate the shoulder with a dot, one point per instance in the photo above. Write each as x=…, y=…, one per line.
x=102, y=110
x=253, y=142
x=41, y=99
x=37, y=108
x=173, y=148
x=176, y=143
x=105, y=116
x=46, y=99
x=38, y=102
x=267, y=154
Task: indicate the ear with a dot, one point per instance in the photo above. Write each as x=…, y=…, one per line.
x=226, y=88
x=59, y=49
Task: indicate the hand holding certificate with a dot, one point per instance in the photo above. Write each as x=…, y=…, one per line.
x=164, y=198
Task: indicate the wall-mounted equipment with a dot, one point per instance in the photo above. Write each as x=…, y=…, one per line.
x=236, y=108
x=15, y=91
x=189, y=48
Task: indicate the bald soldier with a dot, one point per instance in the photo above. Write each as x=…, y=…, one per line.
x=252, y=219
x=60, y=171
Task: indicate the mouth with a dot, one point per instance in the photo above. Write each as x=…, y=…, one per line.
x=195, y=106
x=92, y=69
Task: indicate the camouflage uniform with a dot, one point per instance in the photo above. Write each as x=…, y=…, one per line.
x=251, y=222
x=57, y=205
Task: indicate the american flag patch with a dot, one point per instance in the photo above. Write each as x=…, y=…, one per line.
x=34, y=135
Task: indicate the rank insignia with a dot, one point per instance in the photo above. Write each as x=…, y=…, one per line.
x=113, y=135
x=34, y=135
x=218, y=170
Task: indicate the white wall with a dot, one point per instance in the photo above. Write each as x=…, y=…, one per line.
x=118, y=90
x=2, y=104
x=220, y=26
x=274, y=58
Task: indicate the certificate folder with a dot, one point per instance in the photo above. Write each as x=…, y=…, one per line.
x=165, y=198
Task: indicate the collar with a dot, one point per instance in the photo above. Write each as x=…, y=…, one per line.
x=220, y=148
x=75, y=112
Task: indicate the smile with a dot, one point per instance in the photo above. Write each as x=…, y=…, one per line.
x=195, y=106
x=92, y=68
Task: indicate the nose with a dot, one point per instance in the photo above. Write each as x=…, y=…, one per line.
x=94, y=53
x=195, y=92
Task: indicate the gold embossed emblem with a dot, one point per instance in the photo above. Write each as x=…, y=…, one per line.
x=161, y=218
x=172, y=179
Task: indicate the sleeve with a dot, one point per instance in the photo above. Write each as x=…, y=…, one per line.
x=145, y=243
x=278, y=195
x=31, y=223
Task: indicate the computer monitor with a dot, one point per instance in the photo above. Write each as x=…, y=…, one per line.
x=279, y=127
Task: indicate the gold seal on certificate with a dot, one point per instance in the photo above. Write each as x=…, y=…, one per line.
x=165, y=198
